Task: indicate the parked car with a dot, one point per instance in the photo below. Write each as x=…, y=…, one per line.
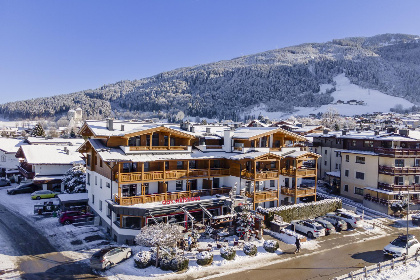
x=352, y=220
x=70, y=217
x=24, y=188
x=397, y=247
x=329, y=228
x=416, y=219
x=337, y=222
x=105, y=258
x=4, y=182
x=311, y=228
x=44, y=194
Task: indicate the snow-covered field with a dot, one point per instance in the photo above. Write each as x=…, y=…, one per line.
x=375, y=101
x=409, y=272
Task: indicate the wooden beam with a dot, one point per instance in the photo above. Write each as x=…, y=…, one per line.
x=119, y=180
x=151, y=138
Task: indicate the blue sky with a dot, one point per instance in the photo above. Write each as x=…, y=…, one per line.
x=50, y=47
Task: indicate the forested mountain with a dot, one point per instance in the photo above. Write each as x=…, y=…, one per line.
x=280, y=79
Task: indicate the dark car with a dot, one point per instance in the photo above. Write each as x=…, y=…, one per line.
x=105, y=258
x=4, y=182
x=24, y=188
x=70, y=217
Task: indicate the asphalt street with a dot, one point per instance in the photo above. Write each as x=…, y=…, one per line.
x=38, y=259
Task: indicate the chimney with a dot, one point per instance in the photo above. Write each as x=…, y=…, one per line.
x=208, y=130
x=110, y=124
x=228, y=139
x=343, y=132
x=122, y=127
x=404, y=132
x=376, y=132
x=325, y=131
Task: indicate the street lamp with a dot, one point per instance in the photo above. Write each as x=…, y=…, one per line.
x=408, y=211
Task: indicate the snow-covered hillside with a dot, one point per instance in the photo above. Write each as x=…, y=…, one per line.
x=374, y=101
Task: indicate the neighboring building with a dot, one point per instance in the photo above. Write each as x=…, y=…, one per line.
x=375, y=167
x=140, y=173
x=8, y=149
x=46, y=164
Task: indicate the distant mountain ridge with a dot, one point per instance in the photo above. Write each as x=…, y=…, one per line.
x=281, y=79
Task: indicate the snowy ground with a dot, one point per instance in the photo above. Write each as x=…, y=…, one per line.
x=409, y=272
x=375, y=101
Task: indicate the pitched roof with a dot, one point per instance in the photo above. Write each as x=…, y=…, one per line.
x=10, y=145
x=51, y=154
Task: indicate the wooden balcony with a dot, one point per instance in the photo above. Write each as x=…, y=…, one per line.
x=24, y=170
x=397, y=188
x=300, y=191
x=172, y=175
x=158, y=197
x=158, y=148
x=300, y=172
x=263, y=196
x=398, y=152
x=390, y=170
x=261, y=175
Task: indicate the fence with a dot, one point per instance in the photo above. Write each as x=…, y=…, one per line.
x=372, y=270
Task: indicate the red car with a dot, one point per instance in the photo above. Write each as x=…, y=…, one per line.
x=70, y=217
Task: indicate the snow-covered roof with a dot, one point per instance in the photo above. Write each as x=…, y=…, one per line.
x=391, y=192
x=334, y=174
x=10, y=145
x=370, y=135
x=99, y=128
x=307, y=128
x=248, y=132
x=51, y=154
x=73, y=197
x=47, y=178
x=55, y=141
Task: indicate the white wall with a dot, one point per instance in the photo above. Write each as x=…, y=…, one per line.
x=41, y=170
x=8, y=160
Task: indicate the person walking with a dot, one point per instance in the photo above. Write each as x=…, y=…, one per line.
x=189, y=242
x=297, y=243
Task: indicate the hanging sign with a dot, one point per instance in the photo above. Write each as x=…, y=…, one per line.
x=181, y=200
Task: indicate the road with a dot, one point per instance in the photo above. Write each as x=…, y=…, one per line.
x=37, y=258
x=336, y=257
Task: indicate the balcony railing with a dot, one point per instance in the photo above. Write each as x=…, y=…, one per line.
x=300, y=191
x=158, y=148
x=172, y=174
x=158, y=197
x=397, y=188
x=260, y=175
x=300, y=172
x=398, y=152
x=390, y=170
x=28, y=174
x=263, y=196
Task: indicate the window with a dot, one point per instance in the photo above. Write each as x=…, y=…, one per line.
x=336, y=166
x=179, y=185
x=272, y=183
x=88, y=160
x=353, y=143
x=273, y=165
x=346, y=188
x=100, y=205
x=100, y=183
x=325, y=152
x=399, y=180
x=167, y=165
x=360, y=160
x=399, y=163
x=146, y=188
x=3, y=158
x=96, y=180
x=88, y=179
x=337, y=154
x=368, y=143
x=146, y=166
x=108, y=185
x=346, y=173
x=417, y=162
x=416, y=179
x=358, y=191
x=179, y=165
x=100, y=162
x=347, y=158
x=93, y=199
x=360, y=175
x=216, y=183
x=216, y=163
x=338, y=141
x=325, y=163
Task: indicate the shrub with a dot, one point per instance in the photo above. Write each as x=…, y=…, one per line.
x=165, y=263
x=250, y=249
x=228, y=253
x=204, y=258
x=179, y=263
x=143, y=259
x=162, y=255
x=271, y=245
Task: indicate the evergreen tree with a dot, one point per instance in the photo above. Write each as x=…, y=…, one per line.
x=38, y=130
x=75, y=179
